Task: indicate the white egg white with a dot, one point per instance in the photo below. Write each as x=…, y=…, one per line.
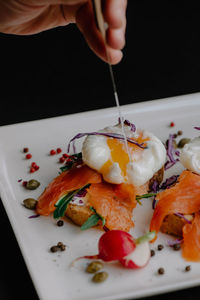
x=190, y=156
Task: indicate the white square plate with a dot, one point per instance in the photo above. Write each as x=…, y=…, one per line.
x=51, y=273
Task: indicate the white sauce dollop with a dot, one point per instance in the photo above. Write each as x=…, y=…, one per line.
x=190, y=155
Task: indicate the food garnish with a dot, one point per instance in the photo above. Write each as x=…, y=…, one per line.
x=34, y=216
x=93, y=220
x=28, y=156
x=52, y=152
x=59, y=247
x=128, y=123
x=139, y=197
x=118, y=245
x=61, y=204
x=100, y=277
x=111, y=135
x=161, y=271
x=187, y=268
x=182, y=216
x=170, y=153
x=32, y=184
x=30, y=203
x=94, y=266
x=72, y=160
x=169, y=182
x=60, y=223
x=160, y=247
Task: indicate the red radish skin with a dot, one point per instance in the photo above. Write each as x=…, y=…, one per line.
x=138, y=258
x=113, y=245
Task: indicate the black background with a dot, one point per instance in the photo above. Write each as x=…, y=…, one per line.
x=55, y=73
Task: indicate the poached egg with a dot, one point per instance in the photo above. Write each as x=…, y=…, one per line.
x=190, y=155
x=109, y=157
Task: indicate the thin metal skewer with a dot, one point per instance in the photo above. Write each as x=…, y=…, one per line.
x=101, y=26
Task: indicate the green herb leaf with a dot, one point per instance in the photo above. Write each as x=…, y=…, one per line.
x=139, y=197
x=61, y=204
x=93, y=220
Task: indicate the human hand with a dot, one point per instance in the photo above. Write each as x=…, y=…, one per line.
x=25, y=17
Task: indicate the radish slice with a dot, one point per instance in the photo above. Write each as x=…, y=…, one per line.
x=137, y=258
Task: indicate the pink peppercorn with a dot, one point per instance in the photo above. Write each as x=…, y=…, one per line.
x=61, y=159
x=32, y=170
x=33, y=164
x=58, y=150
x=52, y=152
x=28, y=156
x=172, y=124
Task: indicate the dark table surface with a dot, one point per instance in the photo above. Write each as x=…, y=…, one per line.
x=54, y=73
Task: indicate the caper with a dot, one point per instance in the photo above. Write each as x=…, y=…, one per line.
x=30, y=203
x=32, y=184
x=100, y=277
x=94, y=266
x=183, y=141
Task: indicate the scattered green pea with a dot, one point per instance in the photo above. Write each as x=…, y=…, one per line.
x=32, y=184
x=100, y=277
x=94, y=266
x=30, y=203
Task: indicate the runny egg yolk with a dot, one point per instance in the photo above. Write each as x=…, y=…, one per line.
x=119, y=154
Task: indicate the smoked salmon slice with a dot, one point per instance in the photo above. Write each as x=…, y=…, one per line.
x=63, y=184
x=115, y=203
x=191, y=237
x=183, y=197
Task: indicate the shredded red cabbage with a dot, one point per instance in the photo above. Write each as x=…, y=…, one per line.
x=198, y=128
x=81, y=193
x=112, y=135
x=154, y=203
x=170, y=153
x=168, y=182
x=182, y=216
x=34, y=216
x=155, y=186
x=171, y=243
x=128, y=123
x=170, y=164
x=177, y=153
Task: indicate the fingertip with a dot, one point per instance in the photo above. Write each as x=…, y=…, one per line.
x=114, y=56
